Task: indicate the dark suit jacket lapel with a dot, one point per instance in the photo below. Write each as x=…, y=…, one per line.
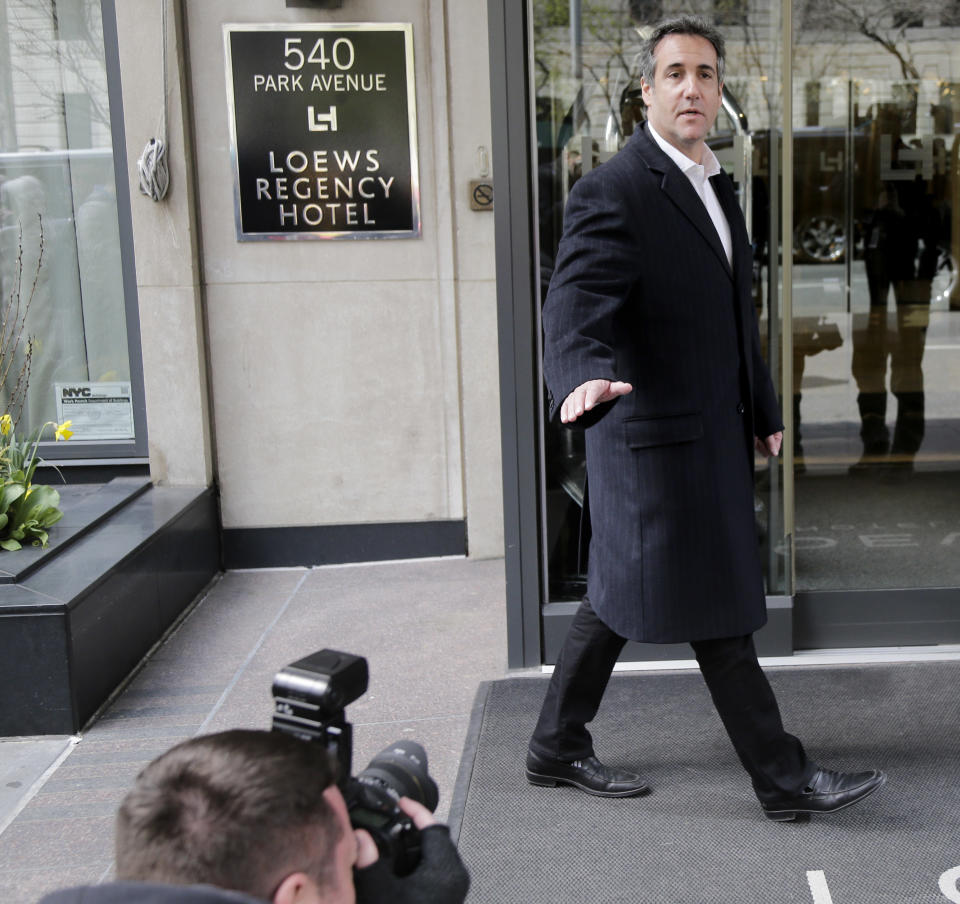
x=678, y=189
x=742, y=264
x=723, y=187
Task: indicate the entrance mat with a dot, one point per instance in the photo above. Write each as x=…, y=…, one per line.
x=699, y=837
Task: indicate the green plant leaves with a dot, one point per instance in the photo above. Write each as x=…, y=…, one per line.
x=10, y=493
x=26, y=514
x=26, y=511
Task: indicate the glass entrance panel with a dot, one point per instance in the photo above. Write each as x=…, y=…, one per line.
x=876, y=329
x=587, y=104
x=58, y=196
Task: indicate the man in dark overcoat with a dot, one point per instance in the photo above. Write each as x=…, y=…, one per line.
x=651, y=343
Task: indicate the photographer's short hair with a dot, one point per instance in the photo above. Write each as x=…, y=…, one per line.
x=240, y=810
x=681, y=25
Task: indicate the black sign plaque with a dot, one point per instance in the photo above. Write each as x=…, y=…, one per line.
x=323, y=131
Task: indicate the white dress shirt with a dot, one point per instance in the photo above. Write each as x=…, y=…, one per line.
x=699, y=176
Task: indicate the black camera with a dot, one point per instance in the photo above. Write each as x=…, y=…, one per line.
x=309, y=700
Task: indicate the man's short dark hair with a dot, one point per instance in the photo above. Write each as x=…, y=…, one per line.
x=681, y=25
x=240, y=810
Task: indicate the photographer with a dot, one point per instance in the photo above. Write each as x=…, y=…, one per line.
x=252, y=816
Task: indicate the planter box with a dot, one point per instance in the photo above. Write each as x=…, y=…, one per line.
x=75, y=619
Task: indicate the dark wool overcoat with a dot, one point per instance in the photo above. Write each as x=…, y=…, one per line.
x=643, y=292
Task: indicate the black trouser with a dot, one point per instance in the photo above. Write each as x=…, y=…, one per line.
x=741, y=693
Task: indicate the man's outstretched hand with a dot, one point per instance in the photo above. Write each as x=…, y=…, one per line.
x=590, y=394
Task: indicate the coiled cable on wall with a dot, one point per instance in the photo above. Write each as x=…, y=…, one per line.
x=152, y=165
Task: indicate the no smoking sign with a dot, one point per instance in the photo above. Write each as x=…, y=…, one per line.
x=481, y=194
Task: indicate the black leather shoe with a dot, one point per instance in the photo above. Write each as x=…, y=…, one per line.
x=827, y=792
x=588, y=775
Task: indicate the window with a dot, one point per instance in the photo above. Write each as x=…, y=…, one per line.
x=58, y=192
x=71, y=16
x=553, y=14
x=730, y=12
x=946, y=113
x=817, y=15
x=811, y=94
x=645, y=12
x=907, y=18
x=950, y=14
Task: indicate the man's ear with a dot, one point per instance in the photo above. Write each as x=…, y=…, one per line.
x=297, y=888
x=645, y=90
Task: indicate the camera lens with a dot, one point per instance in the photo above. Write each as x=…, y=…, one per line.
x=402, y=769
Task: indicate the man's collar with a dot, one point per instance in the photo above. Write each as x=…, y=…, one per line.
x=711, y=166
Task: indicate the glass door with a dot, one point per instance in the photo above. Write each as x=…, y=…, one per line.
x=876, y=325
x=586, y=103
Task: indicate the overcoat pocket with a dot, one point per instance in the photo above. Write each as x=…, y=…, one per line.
x=642, y=432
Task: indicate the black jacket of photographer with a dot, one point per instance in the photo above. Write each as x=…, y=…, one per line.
x=147, y=893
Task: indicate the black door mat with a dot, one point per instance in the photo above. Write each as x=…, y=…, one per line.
x=700, y=837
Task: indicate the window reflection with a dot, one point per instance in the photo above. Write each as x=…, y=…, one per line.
x=56, y=174
x=875, y=414
x=587, y=105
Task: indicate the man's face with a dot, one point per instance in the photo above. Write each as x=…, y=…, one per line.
x=683, y=101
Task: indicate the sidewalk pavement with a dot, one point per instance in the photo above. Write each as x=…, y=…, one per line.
x=432, y=630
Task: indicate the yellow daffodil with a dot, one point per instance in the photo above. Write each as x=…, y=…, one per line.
x=63, y=431
x=6, y=424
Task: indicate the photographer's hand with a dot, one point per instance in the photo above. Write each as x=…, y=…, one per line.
x=421, y=816
x=367, y=852
x=440, y=876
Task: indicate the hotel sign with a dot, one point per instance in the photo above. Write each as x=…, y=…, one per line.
x=323, y=131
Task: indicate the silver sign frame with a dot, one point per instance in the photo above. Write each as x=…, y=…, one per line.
x=406, y=28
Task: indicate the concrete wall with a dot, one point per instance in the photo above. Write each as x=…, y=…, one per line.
x=468, y=87
x=349, y=381
x=165, y=248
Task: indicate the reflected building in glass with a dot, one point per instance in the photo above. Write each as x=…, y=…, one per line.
x=859, y=305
